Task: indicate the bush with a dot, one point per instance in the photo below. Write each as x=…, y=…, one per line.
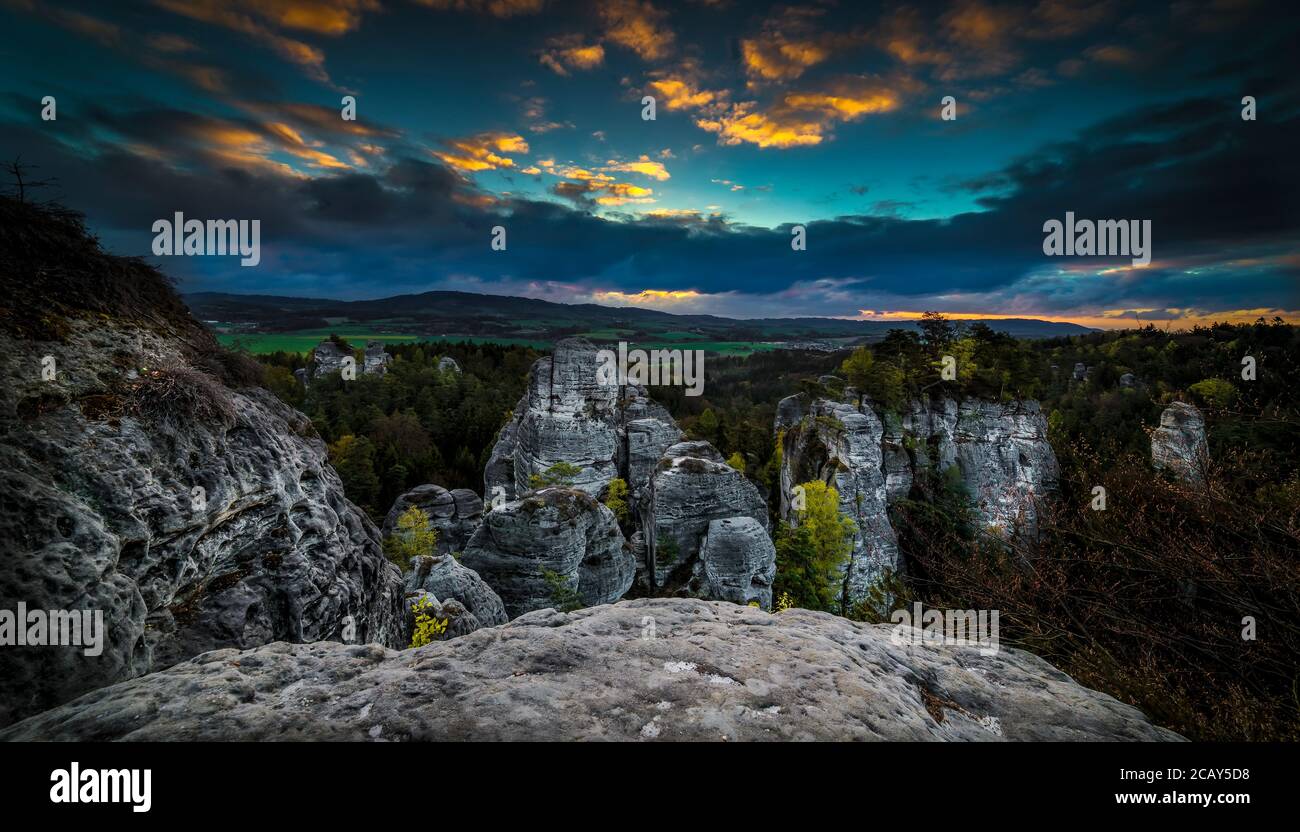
x=616, y=500
x=564, y=597
x=183, y=393
x=413, y=538
x=428, y=628
x=1215, y=392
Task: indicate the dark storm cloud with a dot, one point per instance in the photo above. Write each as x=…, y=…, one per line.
x=1210, y=183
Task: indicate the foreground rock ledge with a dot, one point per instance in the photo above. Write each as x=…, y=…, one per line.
x=665, y=669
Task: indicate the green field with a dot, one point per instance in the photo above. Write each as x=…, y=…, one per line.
x=304, y=340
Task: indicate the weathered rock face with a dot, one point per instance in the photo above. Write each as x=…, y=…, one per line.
x=445, y=578
x=1000, y=451
x=568, y=416
x=676, y=489
x=556, y=530
x=737, y=562
x=328, y=357
x=691, y=488
x=453, y=514
x=376, y=360
x=190, y=532
x=706, y=671
x=840, y=444
x=448, y=364
x=1179, y=445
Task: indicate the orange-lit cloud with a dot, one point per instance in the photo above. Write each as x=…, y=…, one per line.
x=647, y=297
x=679, y=214
x=802, y=118
x=293, y=143
x=484, y=151
x=316, y=118
x=846, y=106
x=639, y=26
x=644, y=166
x=1066, y=18
x=681, y=94
x=1111, y=54
x=162, y=42
x=790, y=43
x=92, y=27
x=780, y=129
x=496, y=8
x=258, y=20
x=598, y=186
x=572, y=52
x=781, y=61
x=622, y=193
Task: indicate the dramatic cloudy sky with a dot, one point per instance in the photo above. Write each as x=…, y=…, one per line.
x=527, y=114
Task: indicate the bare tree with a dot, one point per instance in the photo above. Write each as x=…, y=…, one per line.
x=22, y=178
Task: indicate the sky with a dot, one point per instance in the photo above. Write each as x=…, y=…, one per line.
x=529, y=115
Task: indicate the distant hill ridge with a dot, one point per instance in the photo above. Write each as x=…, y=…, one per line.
x=468, y=313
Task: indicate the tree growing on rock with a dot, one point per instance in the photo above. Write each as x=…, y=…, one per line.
x=564, y=595
x=616, y=499
x=812, y=554
x=414, y=537
x=561, y=473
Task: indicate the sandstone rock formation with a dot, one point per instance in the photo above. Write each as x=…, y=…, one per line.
x=841, y=444
x=653, y=669
x=448, y=364
x=692, y=487
x=376, y=360
x=193, y=515
x=1178, y=445
x=1000, y=451
x=453, y=514
x=446, y=579
x=676, y=489
x=561, y=532
x=328, y=357
x=737, y=562
x=460, y=621
x=568, y=416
